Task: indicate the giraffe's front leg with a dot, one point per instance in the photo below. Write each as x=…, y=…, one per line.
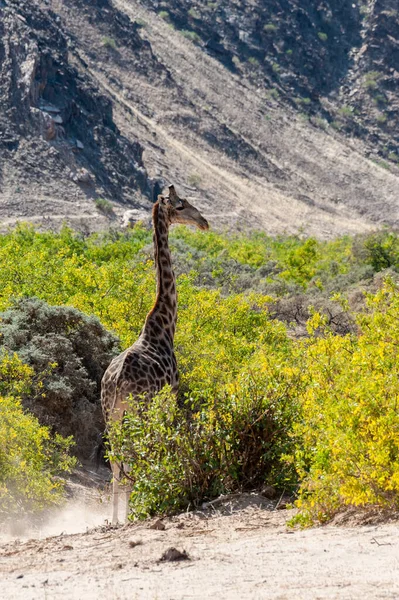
x=128, y=487
x=116, y=474
x=128, y=491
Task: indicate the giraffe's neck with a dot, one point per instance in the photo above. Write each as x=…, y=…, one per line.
x=164, y=312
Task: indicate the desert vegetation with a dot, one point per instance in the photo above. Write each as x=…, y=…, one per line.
x=287, y=349
x=68, y=352
x=31, y=458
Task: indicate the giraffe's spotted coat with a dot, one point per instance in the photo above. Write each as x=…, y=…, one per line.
x=150, y=364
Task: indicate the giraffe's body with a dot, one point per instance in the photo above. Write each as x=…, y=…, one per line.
x=150, y=364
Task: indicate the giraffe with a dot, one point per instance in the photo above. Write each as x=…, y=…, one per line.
x=149, y=364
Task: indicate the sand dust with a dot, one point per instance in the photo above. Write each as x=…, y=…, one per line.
x=242, y=551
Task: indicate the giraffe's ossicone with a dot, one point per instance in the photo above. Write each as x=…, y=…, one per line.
x=150, y=363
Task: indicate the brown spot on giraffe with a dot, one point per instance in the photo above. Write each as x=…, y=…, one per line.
x=150, y=364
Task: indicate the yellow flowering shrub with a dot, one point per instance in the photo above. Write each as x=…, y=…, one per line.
x=31, y=460
x=348, y=436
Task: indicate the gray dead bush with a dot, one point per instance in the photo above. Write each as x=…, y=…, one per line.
x=69, y=352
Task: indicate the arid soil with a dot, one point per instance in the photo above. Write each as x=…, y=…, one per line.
x=240, y=548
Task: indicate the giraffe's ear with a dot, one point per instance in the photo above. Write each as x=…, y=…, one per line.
x=162, y=199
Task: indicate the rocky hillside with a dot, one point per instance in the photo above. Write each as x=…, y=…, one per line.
x=370, y=91
x=336, y=60
x=58, y=138
x=275, y=114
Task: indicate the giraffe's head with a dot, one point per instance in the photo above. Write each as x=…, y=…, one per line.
x=181, y=211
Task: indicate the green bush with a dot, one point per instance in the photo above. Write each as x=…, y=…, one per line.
x=381, y=250
x=194, y=180
x=320, y=122
x=194, y=14
x=108, y=42
x=270, y=28
x=346, y=112
x=141, y=23
x=232, y=441
x=104, y=206
x=191, y=35
x=304, y=101
x=382, y=119
x=371, y=80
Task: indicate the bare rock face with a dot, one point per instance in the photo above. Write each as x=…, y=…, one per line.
x=83, y=176
x=47, y=102
x=371, y=89
x=45, y=123
x=337, y=61
x=307, y=42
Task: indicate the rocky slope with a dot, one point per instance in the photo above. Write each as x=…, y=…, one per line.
x=58, y=140
x=336, y=60
x=275, y=114
x=303, y=47
x=370, y=91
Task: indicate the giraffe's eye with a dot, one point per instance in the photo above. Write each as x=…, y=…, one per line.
x=179, y=207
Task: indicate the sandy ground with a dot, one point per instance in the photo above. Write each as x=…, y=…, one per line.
x=239, y=552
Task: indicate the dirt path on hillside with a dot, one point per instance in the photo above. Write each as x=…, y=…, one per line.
x=241, y=552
